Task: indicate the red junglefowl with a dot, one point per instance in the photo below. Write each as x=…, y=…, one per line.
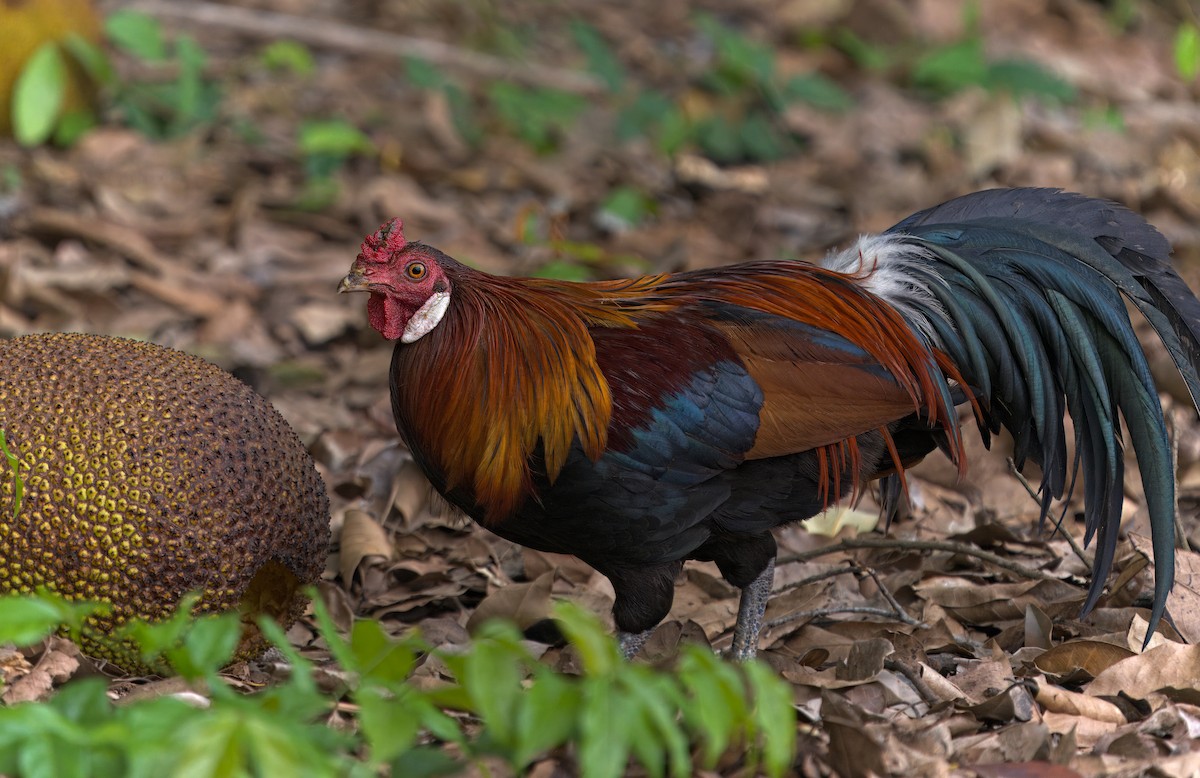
x=640, y=423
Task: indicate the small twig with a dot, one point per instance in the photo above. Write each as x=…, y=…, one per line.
x=1058, y=527
x=891, y=599
x=864, y=610
x=821, y=576
x=858, y=571
x=914, y=679
x=948, y=546
x=330, y=34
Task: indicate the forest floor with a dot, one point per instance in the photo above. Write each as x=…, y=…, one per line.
x=228, y=240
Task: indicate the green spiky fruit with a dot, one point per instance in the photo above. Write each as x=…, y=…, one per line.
x=146, y=474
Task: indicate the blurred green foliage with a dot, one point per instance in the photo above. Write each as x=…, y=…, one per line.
x=501, y=703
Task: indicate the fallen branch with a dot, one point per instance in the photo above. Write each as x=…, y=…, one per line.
x=899, y=544
x=329, y=34
x=1058, y=526
x=898, y=613
x=861, y=610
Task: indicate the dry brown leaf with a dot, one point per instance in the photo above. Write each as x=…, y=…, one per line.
x=1087, y=731
x=523, y=603
x=1038, y=627
x=970, y=600
x=54, y=667
x=981, y=679
x=573, y=569
x=937, y=683
x=1183, y=603
x=1011, y=704
x=865, y=660
x=361, y=538
x=410, y=491
x=1091, y=656
x=1059, y=700
x=1025, y=770
x=1171, y=667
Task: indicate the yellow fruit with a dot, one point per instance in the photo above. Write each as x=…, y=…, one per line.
x=149, y=473
x=27, y=24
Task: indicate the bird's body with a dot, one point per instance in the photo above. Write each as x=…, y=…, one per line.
x=639, y=423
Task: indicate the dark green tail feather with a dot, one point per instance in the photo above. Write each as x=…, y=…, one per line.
x=1029, y=279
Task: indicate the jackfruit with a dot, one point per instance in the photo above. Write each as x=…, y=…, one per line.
x=147, y=474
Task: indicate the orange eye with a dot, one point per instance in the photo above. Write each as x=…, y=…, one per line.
x=416, y=271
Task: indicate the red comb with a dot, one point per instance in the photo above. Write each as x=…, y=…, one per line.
x=383, y=243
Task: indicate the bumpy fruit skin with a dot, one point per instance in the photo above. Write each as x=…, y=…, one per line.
x=149, y=473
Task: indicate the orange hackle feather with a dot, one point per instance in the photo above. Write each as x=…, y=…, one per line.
x=514, y=367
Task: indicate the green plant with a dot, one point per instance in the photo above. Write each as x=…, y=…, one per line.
x=1187, y=51
x=39, y=95
x=740, y=119
x=500, y=703
x=158, y=107
x=944, y=70
x=168, y=108
x=537, y=116
x=290, y=56
x=324, y=147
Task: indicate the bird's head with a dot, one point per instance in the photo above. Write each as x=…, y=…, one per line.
x=409, y=288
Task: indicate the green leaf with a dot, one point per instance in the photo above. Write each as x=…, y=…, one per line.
x=868, y=56
x=189, y=85
x=426, y=762
x=207, y=646
x=377, y=657
x=72, y=126
x=26, y=619
x=91, y=58
x=335, y=138
x=1187, y=51
x=289, y=55
x=138, y=34
x=422, y=74
x=720, y=139
x=818, y=91
x=717, y=704
x=536, y=116
x=156, y=638
x=741, y=61
x=604, y=724
x=1022, y=78
x=564, y=270
x=212, y=746
x=660, y=735
x=601, y=60
x=626, y=207
x=545, y=718
x=648, y=110
x=676, y=132
x=38, y=95
x=389, y=725
x=761, y=140
x=598, y=651
x=462, y=112
x=947, y=69
x=774, y=715
x=281, y=748
x=492, y=674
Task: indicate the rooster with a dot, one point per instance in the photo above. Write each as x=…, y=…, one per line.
x=640, y=423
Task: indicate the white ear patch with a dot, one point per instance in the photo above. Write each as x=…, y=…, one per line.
x=426, y=318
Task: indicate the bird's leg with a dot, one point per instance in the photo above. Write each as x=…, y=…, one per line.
x=751, y=608
x=631, y=642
